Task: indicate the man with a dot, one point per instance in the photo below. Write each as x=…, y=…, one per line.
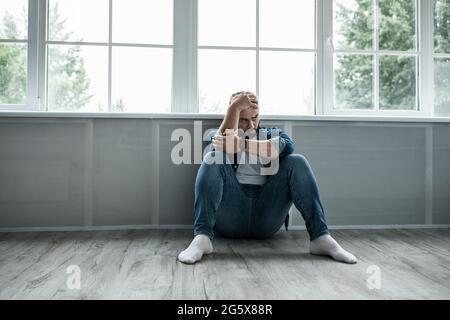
x=251, y=199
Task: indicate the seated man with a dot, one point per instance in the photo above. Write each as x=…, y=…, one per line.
x=235, y=199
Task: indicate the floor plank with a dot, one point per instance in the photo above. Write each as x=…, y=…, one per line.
x=141, y=264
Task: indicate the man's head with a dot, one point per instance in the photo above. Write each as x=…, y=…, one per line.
x=248, y=118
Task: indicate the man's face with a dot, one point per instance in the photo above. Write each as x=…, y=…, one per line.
x=249, y=119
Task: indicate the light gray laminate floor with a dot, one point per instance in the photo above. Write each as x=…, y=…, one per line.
x=141, y=264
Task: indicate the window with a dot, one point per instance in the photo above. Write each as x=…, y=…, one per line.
x=376, y=55
x=13, y=52
x=256, y=45
x=309, y=57
x=442, y=57
x=109, y=55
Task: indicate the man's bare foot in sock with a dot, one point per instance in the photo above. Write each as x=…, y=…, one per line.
x=326, y=245
x=199, y=246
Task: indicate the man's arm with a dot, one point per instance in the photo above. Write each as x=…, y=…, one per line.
x=262, y=148
x=239, y=103
x=279, y=146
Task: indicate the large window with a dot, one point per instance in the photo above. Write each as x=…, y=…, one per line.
x=308, y=57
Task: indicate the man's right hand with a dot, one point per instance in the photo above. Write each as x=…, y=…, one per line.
x=243, y=101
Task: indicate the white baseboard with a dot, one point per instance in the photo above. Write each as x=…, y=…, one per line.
x=187, y=227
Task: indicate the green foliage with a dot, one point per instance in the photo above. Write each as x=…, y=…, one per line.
x=354, y=77
x=13, y=74
x=68, y=80
x=13, y=65
x=118, y=106
x=442, y=66
x=442, y=26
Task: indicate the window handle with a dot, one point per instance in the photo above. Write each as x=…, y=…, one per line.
x=330, y=42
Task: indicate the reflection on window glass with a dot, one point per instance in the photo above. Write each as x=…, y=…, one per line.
x=14, y=19
x=397, y=25
x=442, y=87
x=80, y=20
x=286, y=82
x=442, y=26
x=13, y=73
x=353, y=81
x=287, y=23
x=143, y=21
x=77, y=78
x=398, y=83
x=221, y=73
x=227, y=23
x=353, y=24
x=141, y=80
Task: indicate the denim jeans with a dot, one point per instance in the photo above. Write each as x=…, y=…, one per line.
x=237, y=210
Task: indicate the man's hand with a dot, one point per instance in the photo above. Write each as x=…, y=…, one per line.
x=243, y=101
x=229, y=142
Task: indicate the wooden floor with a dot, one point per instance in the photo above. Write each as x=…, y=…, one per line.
x=141, y=264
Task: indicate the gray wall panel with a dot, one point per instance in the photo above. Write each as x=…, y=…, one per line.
x=64, y=172
x=42, y=173
x=441, y=174
x=366, y=174
x=124, y=172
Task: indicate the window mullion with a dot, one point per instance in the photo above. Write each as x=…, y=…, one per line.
x=110, y=8
x=32, y=51
x=319, y=63
x=257, y=48
x=42, y=54
x=376, y=66
x=426, y=63
x=184, y=73
x=325, y=49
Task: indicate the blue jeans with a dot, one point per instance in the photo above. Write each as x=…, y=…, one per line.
x=237, y=210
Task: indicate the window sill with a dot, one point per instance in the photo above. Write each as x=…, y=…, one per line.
x=198, y=116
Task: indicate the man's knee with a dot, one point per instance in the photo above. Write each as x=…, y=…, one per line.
x=215, y=157
x=296, y=159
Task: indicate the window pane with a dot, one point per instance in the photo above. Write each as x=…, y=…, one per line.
x=227, y=22
x=442, y=26
x=397, y=83
x=353, y=24
x=397, y=25
x=442, y=87
x=81, y=20
x=143, y=21
x=13, y=73
x=142, y=79
x=14, y=19
x=221, y=73
x=77, y=78
x=286, y=82
x=353, y=81
x=287, y=23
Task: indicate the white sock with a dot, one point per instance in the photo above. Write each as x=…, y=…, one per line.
x=326, y=245
x=199, y=246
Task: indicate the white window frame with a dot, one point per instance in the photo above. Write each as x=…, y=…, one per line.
x=185, y=95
